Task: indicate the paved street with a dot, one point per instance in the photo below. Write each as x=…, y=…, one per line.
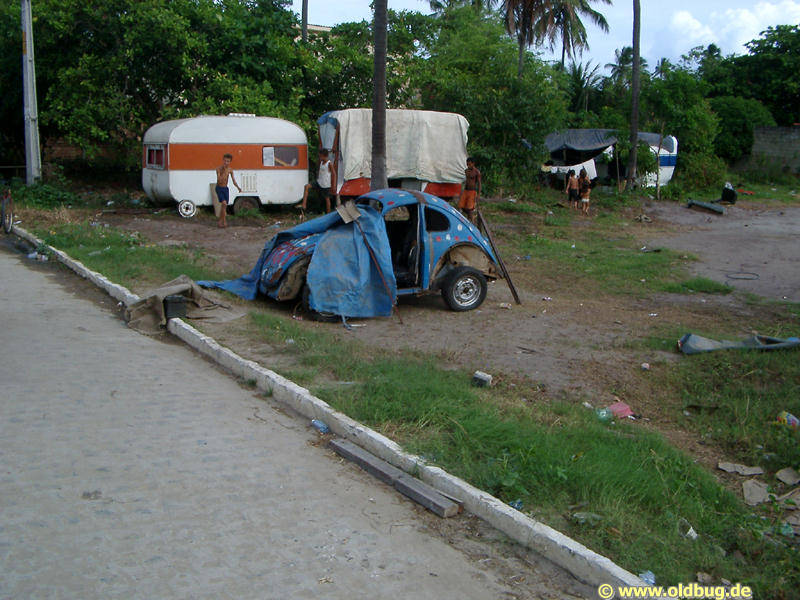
x=132, y=468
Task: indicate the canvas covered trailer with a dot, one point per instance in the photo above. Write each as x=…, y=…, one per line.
x=180, y=157
x=426, y=151
x=574, y=148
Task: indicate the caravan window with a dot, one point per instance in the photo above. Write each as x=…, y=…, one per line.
x=155, y=157
x=280, y=156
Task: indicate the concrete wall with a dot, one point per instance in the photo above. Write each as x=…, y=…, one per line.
x=777, y=147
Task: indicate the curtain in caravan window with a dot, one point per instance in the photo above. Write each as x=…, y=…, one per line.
x=268, y=156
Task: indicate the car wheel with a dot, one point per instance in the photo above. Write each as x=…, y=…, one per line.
x=465, y=289
x=245, y=203
x=324, y=317
x=187, y=209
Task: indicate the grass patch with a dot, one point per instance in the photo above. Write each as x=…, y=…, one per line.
x=617, y=264
x=557, y=459
x=125, y=258
x=750, y=389
x=700, y=285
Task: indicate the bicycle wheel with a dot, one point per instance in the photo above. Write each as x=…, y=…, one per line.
x=7, y=213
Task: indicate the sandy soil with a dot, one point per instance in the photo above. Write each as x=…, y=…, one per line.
x=555, y=336
x=753, y=249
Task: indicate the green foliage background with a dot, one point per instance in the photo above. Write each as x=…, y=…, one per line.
x=108, y=69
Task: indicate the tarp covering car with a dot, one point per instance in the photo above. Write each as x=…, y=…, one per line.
x=342, y=277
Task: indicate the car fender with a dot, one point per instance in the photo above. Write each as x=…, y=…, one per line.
x=463, y=255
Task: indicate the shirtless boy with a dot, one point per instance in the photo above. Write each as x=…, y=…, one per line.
x=472, y=189
x=572, y=190
x=325, y=185
x=223, y=171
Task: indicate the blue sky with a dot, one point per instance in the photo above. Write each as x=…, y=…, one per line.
x=669, y=28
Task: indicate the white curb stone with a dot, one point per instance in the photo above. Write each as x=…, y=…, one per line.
x=583, y=563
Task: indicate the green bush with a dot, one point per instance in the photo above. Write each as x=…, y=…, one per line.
x=738, y=117
x=698, y=172
x=43, y=195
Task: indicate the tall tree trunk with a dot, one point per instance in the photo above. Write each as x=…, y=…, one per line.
x=521, y=57
x=304, y=22
x=635, y=94
x=378, y=174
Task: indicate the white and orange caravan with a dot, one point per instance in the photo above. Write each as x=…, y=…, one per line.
x=270, y=161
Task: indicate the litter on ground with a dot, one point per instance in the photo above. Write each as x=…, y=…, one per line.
x=695, y=344
x=740, y=469
x=789, y=476
x=755, y=492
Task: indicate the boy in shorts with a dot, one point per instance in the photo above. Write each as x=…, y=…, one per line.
x=468, y=202
x=325, y=183
x=223, y=172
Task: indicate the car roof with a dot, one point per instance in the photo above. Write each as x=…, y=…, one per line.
x=391, y=198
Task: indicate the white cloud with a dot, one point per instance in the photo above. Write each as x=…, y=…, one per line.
x=737, y=26
x=689, y=31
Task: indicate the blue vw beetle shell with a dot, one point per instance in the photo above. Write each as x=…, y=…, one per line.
x=344, y=278
x=460, y=232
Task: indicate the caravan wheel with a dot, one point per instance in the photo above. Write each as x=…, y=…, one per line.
x=187, y=209
x=244, y=203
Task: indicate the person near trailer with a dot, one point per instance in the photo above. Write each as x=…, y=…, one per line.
x=585, y=190
x=324, y=184
x=223, y=172
x=571, y=189
x=468, y=202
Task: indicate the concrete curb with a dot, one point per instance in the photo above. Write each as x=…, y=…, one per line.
x=583, y=563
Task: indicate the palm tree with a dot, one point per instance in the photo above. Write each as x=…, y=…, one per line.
x=562, y=19
x=663, y=66
x=582, y=80
x=622, y=67
x=520, y=18
x=440, y=6
x=378, y=173
x=635, y=93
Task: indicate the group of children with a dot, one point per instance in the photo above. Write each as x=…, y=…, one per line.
x=326, y=183
x=578, y=190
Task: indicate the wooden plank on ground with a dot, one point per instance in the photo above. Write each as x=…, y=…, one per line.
x=427, y=496
x=369, y=462
x=407, y=485
x=482, y=223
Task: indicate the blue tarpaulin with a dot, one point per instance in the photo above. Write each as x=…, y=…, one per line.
x=342, y=276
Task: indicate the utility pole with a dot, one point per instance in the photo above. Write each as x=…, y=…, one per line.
x=304, y=22
x=635, y=76
x=33, y=157
x=378, y=179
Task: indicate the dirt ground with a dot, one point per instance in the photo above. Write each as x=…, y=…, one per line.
x=556, y=342
x=554, y=333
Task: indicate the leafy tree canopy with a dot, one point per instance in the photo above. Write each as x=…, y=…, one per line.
x=471, y=70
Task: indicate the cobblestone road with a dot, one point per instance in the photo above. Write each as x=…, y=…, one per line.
x=131, y=468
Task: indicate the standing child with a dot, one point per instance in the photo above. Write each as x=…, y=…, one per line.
x=468, y=203
x=223, y=172
x=325, y=183
x=571, y=189
x=585, y=189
